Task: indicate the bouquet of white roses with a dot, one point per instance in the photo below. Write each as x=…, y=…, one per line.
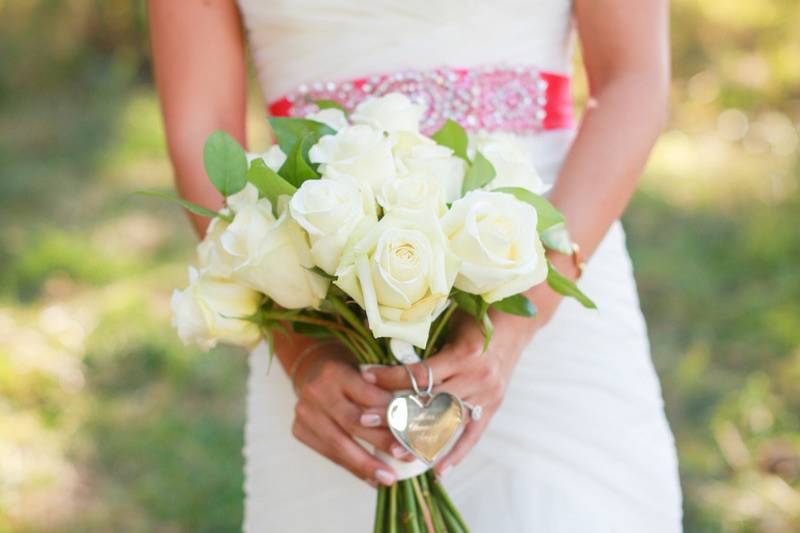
x=362, y=229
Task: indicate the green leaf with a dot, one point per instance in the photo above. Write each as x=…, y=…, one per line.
x=296, y=169
x=556, y=237
x=269, y=184
x=194, y=208
x=296, y=136
x=453, y=136
x=225, y=162
x=518, y=304
x=564, y=286
x=480, y=173
x=548, y=215
x=329, y=104
x=290, y=131
x=469, y=303
x=304, y=170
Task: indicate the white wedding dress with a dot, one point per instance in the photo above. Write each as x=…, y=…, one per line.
x=581, y=443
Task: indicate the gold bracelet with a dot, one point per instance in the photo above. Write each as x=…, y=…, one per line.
x=305, y=354
x=577, y=260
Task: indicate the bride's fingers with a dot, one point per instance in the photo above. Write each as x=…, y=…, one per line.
x=364, y=393
x=383, y=440
x=303, y=432
x=309, y=437
x=336, y=445
x=374, y=417
x=348, y=416
x=443, y=365
x=461, y=386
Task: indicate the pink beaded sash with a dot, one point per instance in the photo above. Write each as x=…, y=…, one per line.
x=519, y=100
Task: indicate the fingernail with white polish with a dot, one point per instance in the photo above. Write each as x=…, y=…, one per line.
x=443, y=474
x=385, y=477
x=370, y=420
x=398, y=451
x=369, y=377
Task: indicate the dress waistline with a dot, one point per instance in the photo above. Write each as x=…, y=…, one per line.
x=520, y=100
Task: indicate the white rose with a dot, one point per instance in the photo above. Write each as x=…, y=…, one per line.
x=358, y=151
x=413, y=194
x=331, y=117
x=212, y=257
x=494, y=235
x=392, y=112
x=401, y=273
x=207, y=310
x=247, y=197
x=436, y=163
x=368, y=200
x=274, y=158
x=405, y=141
x=512, y=162
x=272, y=256
x=329, y=210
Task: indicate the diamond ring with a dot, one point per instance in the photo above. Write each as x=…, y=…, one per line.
x=475, y=411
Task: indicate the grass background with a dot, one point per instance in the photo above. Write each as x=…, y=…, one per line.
x=108, y=424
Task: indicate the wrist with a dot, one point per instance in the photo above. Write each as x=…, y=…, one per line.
x=513, y=333
x=307, y=359
x=567, y=265
x=546, y=301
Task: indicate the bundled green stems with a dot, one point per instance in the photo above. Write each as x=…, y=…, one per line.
x=347, y=326
x=417, y=505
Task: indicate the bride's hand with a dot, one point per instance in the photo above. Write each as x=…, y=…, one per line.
x=333, y=400
x=465, y=370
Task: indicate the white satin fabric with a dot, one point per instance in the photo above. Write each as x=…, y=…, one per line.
x=581, y=443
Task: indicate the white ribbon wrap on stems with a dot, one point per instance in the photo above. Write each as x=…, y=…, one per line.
x=403, y=351
x=403, y=469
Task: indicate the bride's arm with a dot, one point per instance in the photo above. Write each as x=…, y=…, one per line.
x=625, y=48
x=626, y=52
x=199, y=58
x=198, y=54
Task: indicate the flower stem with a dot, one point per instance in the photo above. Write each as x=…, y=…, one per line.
x=361, y=347
x=410, y=518
x=353, y=320
x=393, y=509
x=448, y=507
x=380, y=510
x=348, y=343
x=452, y=523
x=294, y=317
x=436, y=513
x=438, y=328
x=423, y=504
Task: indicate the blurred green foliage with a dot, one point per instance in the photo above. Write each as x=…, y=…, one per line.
x=108, y=423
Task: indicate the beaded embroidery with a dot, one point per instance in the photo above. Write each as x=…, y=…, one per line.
x=497, y=98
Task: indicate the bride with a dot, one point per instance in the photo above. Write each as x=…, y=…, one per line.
x=573, y=436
